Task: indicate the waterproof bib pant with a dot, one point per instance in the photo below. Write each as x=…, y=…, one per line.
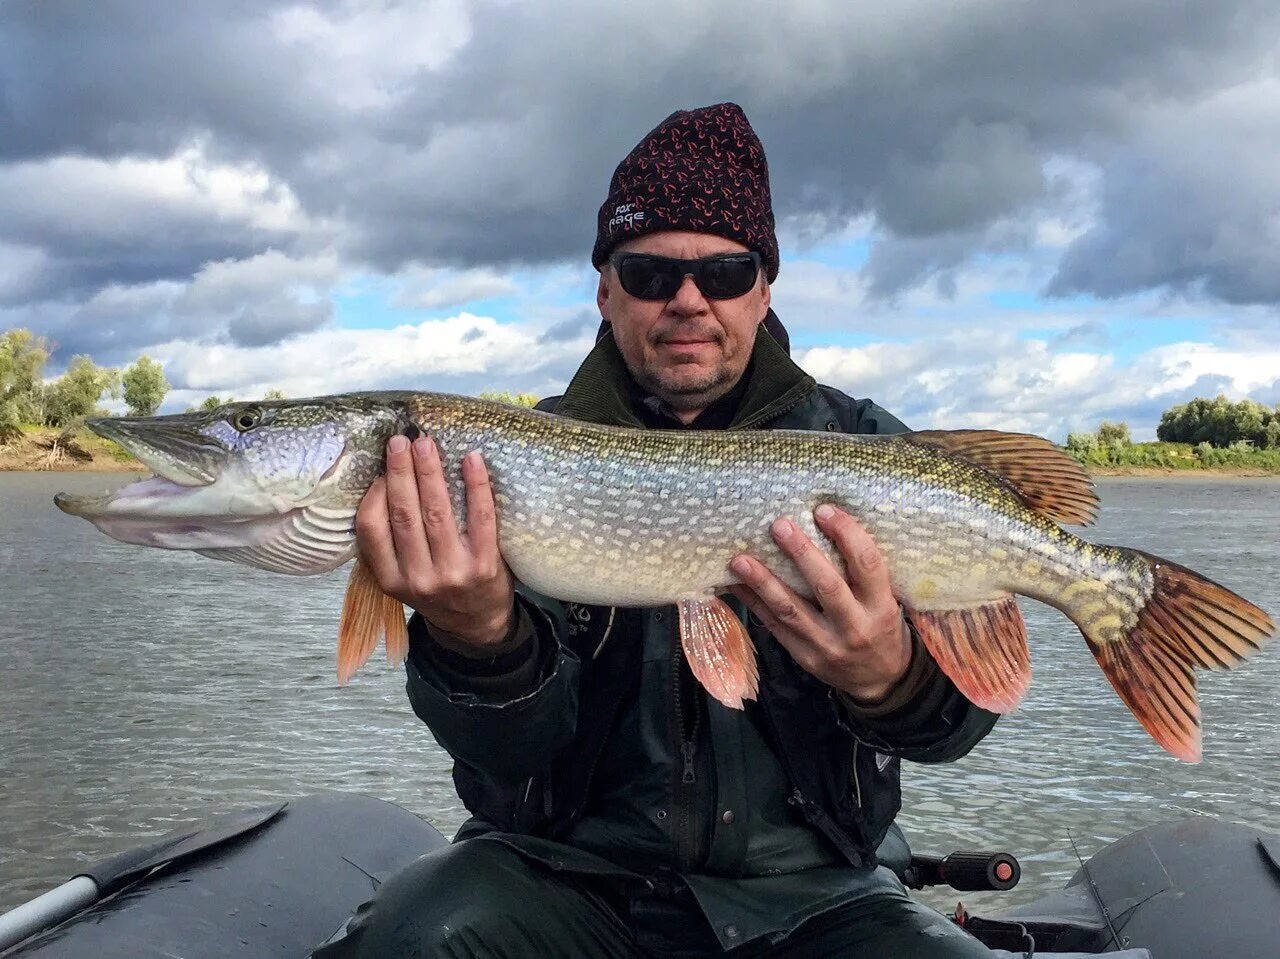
x=479, y=899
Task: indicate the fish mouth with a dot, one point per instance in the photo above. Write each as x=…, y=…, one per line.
x=172, y=448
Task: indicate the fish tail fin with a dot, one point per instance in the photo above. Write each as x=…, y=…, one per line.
x=368, y=614
x=719, y=651
x=1149, y=629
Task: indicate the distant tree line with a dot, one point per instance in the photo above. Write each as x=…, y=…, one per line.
x=1217, y=423
x=1221, y=423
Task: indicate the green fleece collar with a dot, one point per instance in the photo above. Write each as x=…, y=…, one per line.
x=598, y=392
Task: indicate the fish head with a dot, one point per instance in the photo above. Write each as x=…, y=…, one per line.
x=273, y=484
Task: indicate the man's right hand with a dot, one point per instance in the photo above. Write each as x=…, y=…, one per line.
x=408, y=537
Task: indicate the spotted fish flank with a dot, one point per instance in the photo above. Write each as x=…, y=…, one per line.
x=965, y=519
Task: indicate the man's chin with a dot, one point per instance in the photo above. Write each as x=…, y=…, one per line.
x=686, y=395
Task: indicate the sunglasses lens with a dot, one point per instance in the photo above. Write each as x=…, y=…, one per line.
x=659, y=278
x=727, y=277
x=647, y=278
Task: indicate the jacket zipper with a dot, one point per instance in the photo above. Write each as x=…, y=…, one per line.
x=810, y=810
x=686, y=836
x=857, y=784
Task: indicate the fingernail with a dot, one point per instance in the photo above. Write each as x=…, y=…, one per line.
x=740, y=565
x=825, y=511
x=422, y=447
x=473, y=457
x=784, y=528
x=398, y=444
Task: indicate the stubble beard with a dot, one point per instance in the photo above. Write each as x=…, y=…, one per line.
x=683, y=394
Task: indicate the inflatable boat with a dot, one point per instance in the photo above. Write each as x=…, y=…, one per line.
x=278, y=880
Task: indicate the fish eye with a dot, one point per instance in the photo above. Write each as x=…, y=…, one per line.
x=246, y=419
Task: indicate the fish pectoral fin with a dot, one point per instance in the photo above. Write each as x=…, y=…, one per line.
x=982, y=649
x=718, y=650
x=1041, y=473
x=368, y=614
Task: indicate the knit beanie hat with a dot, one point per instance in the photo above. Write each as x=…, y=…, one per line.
x=702, y=170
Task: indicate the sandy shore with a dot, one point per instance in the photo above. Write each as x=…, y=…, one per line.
x=38, y=451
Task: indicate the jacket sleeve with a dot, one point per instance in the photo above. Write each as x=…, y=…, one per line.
x=925, y=719
x=506, y=715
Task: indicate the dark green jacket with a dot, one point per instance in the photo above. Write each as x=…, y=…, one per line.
x=549, y=738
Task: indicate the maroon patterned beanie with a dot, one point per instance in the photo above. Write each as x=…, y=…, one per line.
x=702, y=170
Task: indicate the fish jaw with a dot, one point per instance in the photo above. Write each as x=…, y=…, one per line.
x=159, y=512
x=172, y=447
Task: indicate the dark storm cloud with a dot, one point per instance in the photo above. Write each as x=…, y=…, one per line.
x=937, y=119
x=570, y=329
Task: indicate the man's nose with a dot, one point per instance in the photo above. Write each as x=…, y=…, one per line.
x=688, y=298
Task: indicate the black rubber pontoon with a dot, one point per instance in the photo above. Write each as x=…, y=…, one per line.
x=275, y=881
x=279, y=880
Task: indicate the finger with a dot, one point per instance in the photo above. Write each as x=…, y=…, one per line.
x=827, y=583
x=437, y=509
x=868, y=571
x=482, y=523
x=403, y=510
x=801, y=650
x=783, y=604
x=373, y=538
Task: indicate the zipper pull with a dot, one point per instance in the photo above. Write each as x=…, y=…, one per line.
x=686, y=750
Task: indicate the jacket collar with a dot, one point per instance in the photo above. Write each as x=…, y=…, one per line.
x=600, y=392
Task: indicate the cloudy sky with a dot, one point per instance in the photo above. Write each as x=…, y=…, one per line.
x=1011, y=213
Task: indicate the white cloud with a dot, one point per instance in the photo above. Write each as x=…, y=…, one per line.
x=985, y=378
x=368, y=51
x=76, y=196
x=463, y=353
x=442, y=289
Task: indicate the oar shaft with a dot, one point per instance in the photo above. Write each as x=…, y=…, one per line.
x=46, y=910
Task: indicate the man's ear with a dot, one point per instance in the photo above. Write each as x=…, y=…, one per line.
x=602, y=292
x=766, y=297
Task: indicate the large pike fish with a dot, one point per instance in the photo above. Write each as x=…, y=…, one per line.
x=626, y=517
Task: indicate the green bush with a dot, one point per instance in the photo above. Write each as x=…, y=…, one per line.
x=515, y=399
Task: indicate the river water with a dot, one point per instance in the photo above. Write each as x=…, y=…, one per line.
x=141, y=690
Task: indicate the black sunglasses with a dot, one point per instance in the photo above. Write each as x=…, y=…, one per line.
x=649, y=277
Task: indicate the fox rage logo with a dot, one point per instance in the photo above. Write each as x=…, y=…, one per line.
x=625, y=215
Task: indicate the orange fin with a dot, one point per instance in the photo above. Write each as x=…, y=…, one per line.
x=982, y=649
x=1188, y=621
x=1046, y=478
x=397, y=631
x=718, y=650
x=367, y=615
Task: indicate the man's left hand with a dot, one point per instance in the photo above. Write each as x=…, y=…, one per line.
x=852, y=635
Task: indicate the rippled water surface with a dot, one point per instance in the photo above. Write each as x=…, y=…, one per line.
x=142, y=689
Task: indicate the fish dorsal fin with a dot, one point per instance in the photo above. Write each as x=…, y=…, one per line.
x=1046, y=478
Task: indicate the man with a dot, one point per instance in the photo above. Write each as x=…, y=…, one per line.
x=617, y=809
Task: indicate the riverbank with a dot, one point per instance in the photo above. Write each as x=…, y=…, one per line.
x=1207, y=473
x=39, y=449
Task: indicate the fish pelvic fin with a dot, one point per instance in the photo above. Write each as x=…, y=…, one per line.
x=1187, y=621
x=719, y=651
x=1041, y=473
x=368, y=614
x=982, y=649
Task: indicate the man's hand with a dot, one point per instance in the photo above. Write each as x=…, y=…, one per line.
x=408, y=537
x=852, y=636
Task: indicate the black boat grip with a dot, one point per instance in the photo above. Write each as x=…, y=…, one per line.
x=965, y=871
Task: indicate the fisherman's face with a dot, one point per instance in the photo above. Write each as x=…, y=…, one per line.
x=688, y=350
